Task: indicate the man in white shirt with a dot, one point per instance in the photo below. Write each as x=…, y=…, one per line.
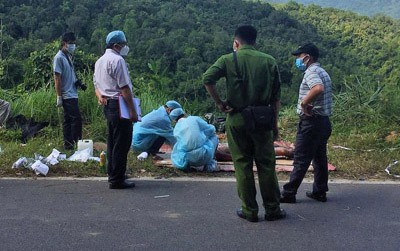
x=111, y=80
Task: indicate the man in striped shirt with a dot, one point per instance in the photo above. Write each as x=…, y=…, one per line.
x=314, y=129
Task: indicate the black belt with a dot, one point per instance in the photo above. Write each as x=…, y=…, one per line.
x=313, y=117
x=110, y=98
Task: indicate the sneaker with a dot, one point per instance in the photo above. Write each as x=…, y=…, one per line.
x=316, y=196
x=240, y=213
x=288, y=199
x=272, y=217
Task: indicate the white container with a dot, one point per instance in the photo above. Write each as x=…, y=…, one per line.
x=86, y=143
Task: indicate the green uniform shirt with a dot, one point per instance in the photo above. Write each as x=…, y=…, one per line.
x=261, y=80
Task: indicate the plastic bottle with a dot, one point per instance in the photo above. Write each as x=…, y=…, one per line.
x=103, y=162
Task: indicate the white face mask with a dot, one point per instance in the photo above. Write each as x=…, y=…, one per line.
x=124, y=51
x=71, y=48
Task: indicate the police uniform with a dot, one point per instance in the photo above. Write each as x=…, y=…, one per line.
x=260, y=86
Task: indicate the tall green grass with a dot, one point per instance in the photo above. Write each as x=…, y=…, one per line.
x=363, y=115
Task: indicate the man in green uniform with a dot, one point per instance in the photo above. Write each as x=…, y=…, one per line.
x=257, y=83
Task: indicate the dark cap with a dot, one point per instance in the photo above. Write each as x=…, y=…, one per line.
x=309, y=48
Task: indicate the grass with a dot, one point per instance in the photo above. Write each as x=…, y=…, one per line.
x=369, y=128
x=369, y=156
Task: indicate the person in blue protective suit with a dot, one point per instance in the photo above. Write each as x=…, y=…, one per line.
x=154, y=129
x=196, y=143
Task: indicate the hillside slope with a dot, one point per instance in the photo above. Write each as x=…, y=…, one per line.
x=173, y=42
x=370, y=8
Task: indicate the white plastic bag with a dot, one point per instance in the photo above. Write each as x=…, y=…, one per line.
x=82, y=155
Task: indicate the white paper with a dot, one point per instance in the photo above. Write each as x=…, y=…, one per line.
x=124, y=111
x=52, y=159
x=40, y=168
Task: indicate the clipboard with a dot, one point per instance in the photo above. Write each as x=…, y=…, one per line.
x=124, y=111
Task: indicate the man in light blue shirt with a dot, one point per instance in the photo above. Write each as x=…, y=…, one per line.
x=67, y=95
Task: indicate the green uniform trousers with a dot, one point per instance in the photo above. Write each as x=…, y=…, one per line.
x=257, y=145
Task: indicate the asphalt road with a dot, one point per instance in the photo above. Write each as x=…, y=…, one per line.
x=190, y=215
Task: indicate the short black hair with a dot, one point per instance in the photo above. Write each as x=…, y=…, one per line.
x=68, y=36
x=247, y=34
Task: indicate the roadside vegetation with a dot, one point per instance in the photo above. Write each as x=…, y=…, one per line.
x=359, y=148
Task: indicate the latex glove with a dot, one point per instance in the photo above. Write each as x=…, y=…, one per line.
x=142, y=156
x=59, y=101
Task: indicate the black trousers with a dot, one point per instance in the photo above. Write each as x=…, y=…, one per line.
x=119, y=141
x=311, y=139
x=155, y=147
x=72, y=126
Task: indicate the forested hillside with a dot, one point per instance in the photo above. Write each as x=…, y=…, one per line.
x=370, y=8
x=173, y=42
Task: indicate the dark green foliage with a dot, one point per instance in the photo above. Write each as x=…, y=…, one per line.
x=11, y=73
x=173, y=42
x=39, y=66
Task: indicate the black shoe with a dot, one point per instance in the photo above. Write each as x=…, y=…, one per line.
x=240, y=213
x=280, y=215
x=288, y=199
x=123, y=185
x=315, y=196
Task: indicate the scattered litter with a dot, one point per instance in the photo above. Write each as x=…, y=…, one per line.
x=301, y=217
x=40, y=168
x=80, y=155
x=142, y=156
x=29, y=162
x=161, y=196
x=52, y=159
x=38, y=157
x=19, y=163
x=393, y=170
x=40, y=165
x=342, y=147
x=367, y=150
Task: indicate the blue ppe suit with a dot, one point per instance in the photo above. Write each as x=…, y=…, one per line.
x=196, y=143
x=153, y=125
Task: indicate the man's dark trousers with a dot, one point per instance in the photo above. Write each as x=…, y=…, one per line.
x=311, y=139
x=72, y=126
x=119, y=141
x=155, y=147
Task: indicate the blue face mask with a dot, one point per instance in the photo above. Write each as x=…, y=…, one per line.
x=71, y=48
x=300, y=64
